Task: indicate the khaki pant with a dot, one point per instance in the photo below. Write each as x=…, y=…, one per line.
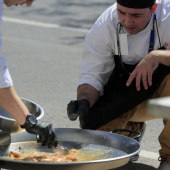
x=140, y=114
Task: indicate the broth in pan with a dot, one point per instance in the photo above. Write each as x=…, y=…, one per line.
x=78, y=152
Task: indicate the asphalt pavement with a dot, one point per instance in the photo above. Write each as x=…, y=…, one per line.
x=43, y=46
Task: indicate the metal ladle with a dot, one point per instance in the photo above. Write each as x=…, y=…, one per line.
x=63, y=150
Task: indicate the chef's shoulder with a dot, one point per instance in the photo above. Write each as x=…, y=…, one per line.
x=163, y=13
x=162, y=1
x=108, y=18
x=163, y=8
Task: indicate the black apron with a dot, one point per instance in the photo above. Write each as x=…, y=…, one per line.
x=118, y=98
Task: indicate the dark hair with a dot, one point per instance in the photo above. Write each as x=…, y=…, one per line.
x=137, y=3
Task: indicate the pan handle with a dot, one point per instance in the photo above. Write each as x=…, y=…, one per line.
x=137, y=135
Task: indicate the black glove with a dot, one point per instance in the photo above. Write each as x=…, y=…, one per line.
x=77, y=107
x=43, y=130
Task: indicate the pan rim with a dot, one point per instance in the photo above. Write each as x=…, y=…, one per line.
x=70, y=163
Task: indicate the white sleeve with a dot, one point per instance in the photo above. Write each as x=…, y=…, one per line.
x=5, y=78
x=97, y=60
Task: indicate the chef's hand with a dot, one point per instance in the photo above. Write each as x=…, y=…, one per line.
x=143, y=72
x=44, y=132
x=77, y=108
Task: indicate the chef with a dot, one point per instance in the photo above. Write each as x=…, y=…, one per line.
x=126, y=61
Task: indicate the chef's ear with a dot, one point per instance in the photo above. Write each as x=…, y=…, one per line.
x=153, y=9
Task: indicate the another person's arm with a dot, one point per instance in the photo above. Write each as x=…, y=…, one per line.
x=13, y=104
x=10, y=101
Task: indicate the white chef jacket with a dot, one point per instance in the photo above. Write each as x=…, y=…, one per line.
x=5, y=78
x=100, y=45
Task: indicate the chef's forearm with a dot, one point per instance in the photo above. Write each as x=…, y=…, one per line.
x=88, y=92
x=10, y=101
x=163, y=56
